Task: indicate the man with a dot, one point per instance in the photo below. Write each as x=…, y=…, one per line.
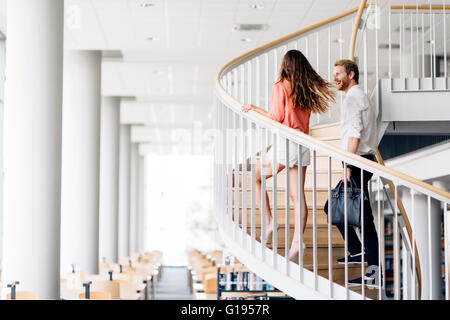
x=359, y=136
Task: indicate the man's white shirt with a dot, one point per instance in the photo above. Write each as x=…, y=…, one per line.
x=359, y=120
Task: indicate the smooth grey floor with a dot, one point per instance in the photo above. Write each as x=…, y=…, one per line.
x=173, y=284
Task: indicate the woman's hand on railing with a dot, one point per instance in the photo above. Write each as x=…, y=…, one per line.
x=248, y=107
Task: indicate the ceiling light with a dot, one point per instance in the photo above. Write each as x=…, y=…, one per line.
x=151, y=38
x=256, y=6
x=246, y=39
x=250, y=27
x=147, y=5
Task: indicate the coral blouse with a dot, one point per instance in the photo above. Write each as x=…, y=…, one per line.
x=283, y=110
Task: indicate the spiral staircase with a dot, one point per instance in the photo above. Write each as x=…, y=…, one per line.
x=244, y=138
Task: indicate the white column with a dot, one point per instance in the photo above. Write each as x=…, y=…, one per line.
x=133, y=197
x=124, y=191
x=109, y=178
x=420, y=228
x=141, y=212
x=80, y=160
x=2, y=72
x=32, y=146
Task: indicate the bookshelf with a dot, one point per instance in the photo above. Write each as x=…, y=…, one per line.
x=236, y=282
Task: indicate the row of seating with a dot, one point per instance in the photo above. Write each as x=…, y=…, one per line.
x=202, y=273
x=128, y=279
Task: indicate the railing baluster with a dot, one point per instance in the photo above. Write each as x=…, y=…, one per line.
x=445, y=39
x=413, y=243
x=412, y=46
x=345, y=231
x=390, y=41
x=330, y=239
x=275, y=65
x=381, y=271
x=363, y=292
x=446, y=251
x=235, y=83
x=430, y=252
x=244, y=182
x=249, y=82
x=266, y=81
x=287, y=218
x=314, y=194
x=253, y=219
x=382, y=243
x=402, y=74
x=396, y=249
x=257, y=80
x=431, y=45
x=275, y=191
x=263, y=194
x=423, y=46
x=242, y=77
x=366, y=85
x=317, y=63
x=417, y=39
x=236, y=176
x=329, y=63
x=230, y=170
x=300, y=211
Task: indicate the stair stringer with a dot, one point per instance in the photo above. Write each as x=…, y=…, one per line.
x=290, y=285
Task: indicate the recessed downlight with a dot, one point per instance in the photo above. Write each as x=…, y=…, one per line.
x=246, y=39
x=256, y=6
x=152, y=38
x=147, y=4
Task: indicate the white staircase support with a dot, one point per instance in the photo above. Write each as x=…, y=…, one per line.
x=400, y=104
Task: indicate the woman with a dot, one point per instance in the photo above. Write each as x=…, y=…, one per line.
x=299, y=92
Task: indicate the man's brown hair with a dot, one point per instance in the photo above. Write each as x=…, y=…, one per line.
x=349, y=66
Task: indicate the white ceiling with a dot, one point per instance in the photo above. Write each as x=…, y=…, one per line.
x=193, y=39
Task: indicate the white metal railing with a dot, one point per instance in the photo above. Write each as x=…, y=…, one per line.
x=244, y=138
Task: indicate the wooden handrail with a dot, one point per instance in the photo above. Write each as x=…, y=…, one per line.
x=433, y=7
x=361, y=8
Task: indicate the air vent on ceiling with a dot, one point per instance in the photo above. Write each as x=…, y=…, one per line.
x=250, y=27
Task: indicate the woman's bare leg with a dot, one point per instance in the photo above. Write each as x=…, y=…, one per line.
x=258, y=177
x=293, y=192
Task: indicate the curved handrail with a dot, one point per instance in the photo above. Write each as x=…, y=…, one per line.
x=361, y=8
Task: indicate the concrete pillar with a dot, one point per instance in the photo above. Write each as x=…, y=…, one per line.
x=81, y=160
x=141, y=212
x=109, y=178
x=2, y=78
x=124, y=190
x=431, y=274
x=32, y=146
x=133, y=197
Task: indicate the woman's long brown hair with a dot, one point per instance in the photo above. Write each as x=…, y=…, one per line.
x=309, y=89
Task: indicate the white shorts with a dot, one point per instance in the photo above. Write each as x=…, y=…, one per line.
x=305, y=158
